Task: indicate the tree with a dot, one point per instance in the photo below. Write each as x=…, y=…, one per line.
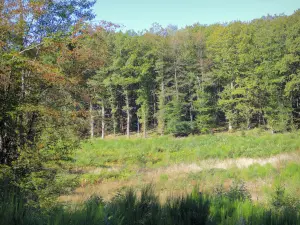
x=38, y=121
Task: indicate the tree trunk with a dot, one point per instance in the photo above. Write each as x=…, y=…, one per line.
x=21, y=117
x=138, y=126
x=154, y=109
x=144, y=126
x=230, y=126
x=31, y=131
x=103, y=121
x=121, y=124
x=200, y=81
x=113, y=108
x=230, y=122
x=128, y=114
x=248, y=123
x=91, y=120
x=176, y=83
x=161, y=115
x=191, y=114
x=199, y=86
x=114, y=124
x=202, y=70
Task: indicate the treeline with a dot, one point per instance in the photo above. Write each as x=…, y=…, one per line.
x=199, y=79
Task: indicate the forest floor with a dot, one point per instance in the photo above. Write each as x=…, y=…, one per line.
x=174, y=171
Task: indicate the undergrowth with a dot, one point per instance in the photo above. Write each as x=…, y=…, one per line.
x=224, y=207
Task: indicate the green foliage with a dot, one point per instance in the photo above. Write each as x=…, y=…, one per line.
x=278, y=120
x=236, y=192
x=38, y=121
x=127, y=208
x=282, y=201
x=181, y=128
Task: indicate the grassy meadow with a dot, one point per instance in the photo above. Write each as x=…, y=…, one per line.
x=261, y=160
x=166, y=150
x=242, y=178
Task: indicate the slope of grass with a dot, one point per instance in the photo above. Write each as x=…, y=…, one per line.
x=105, y=166
x=162, y=151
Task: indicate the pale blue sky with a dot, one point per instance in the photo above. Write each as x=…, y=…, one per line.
x=140, y=14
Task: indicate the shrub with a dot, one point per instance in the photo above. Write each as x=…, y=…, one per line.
x=237, y=191
x=182, y=128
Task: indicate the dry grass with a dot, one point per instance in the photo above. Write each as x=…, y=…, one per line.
x=172, y=180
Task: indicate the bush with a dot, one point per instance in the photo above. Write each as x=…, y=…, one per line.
x=237, y=191
x=282, y=201
x=182, y=128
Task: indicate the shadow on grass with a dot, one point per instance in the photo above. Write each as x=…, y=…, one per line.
x=231, y=207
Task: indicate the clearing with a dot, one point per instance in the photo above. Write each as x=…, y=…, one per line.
x=175, y=166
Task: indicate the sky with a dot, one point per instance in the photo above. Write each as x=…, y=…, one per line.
x=140, y=14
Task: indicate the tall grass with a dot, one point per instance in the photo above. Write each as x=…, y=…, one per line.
x=161, y=151
x=132, y=209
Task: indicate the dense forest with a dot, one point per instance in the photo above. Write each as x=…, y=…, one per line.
x=64, y=78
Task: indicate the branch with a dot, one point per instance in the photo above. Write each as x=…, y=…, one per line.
x=27, y=49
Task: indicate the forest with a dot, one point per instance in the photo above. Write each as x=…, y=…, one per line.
x=66, y=80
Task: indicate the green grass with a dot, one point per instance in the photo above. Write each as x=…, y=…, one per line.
x=125, y=159
x=224, y=207
x=261, y=180
x=122, y=158
x=162, y=151
x=223, y=202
